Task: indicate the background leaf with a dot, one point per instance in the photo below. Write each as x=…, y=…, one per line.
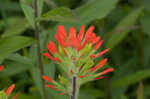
x=28, y=11
x=123, y=28
x=131, y=79
x=59, y=15
x=11, y=44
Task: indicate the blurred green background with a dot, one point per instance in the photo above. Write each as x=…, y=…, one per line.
x=123, y=24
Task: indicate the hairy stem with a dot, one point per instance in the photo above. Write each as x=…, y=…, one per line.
x=74, y=88
x=41, y=68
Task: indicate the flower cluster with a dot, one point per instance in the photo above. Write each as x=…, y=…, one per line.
x=7, y=93
x=76, y=54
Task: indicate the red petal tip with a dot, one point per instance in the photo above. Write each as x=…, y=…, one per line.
x=62, y=93
x=10, y=89
x=47, y=79
x=50, y=86
x=1, y=67
x=83, y=76
x=107, y=71
x=100, y=77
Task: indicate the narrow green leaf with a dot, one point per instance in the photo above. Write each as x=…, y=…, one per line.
x=93, y=93
x=62, y=14
x=28, y=11
x=145, y=23
x=131, y=79
x=40, y=6
x=50, y=69
x=37, y=79
x=26, y=96
x=9, y=6
x=21, y=59
x=11, y=44
x=123, y=28
x=96, y=9
x=16, y=28
x=14, y=68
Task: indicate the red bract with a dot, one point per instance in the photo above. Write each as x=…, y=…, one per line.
x=1, y=67
x=106, y=71
x=50, y=86
x=99, y=65
x=10, y=89
x=47, y=79
x=81, y=33
x=52, y=47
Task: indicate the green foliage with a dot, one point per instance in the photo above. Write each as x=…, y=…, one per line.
x=124, y=26
x=15, y=28
x=131, y=79
x=12, y=44
x=59, y=15
x=96, y=9
x=40, y=4
x=28, y=11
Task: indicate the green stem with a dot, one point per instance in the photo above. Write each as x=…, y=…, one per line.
x=40, y=63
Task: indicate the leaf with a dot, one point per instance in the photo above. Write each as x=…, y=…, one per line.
x=95, y=9
x=14, y=68
x=40, y=6
x=9, y=6
x=123, y=96
x=62, y=14
x=28, y=11
x=93, y=93
x=26, y=96
x=145, y=4
x=37, y=79
x=50, y=69
x=11, y=44
x=16, y=28
x=123, y=71
x=145, y=23
x=123, y=28
x=131, y=79
x=21, y=59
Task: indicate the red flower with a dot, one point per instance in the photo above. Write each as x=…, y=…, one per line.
x=73, y=41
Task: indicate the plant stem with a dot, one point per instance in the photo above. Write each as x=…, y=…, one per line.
x=75, y=88
x=41, y=68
